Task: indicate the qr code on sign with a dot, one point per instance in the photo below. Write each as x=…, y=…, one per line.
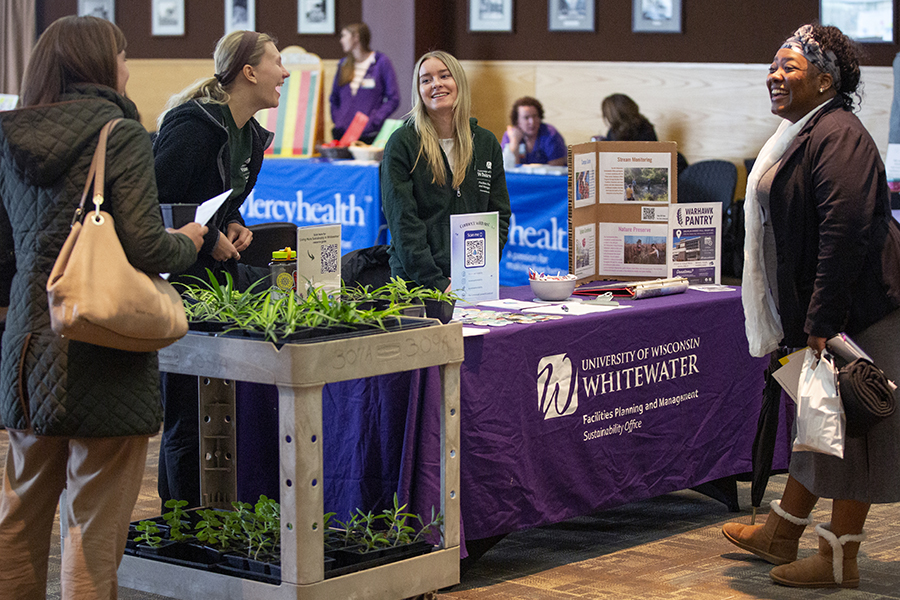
x=475, y=252
x=329, y=258
x=648, y=213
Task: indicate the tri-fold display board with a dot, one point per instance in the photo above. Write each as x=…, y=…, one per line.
x=619, y=197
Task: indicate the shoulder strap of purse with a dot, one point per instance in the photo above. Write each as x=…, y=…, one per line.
x=96, y=174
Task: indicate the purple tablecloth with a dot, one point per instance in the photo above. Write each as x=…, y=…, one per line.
x=559, y=418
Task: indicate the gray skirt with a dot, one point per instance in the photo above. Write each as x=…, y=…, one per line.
x=869, y=471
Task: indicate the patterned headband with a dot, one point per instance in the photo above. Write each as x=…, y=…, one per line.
x=803, y=42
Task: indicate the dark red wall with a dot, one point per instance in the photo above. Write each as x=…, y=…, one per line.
x=731, y=31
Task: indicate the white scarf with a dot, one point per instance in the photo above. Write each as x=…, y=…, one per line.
x=761, y=320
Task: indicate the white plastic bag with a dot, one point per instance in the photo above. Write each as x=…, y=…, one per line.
x=820, y=417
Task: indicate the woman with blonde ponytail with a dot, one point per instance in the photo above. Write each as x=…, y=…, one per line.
x=440, y=162
x=209, y=143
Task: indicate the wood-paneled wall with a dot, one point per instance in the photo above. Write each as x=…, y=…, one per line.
x=712, y=110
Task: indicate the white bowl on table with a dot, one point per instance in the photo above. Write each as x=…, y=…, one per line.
x=366, y=152
x=553, y=290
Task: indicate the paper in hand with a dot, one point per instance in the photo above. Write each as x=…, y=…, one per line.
x=206, y=210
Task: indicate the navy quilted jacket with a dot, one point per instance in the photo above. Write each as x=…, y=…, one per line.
x=47, y=383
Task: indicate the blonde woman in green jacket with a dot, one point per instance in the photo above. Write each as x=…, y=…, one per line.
x=439, y=163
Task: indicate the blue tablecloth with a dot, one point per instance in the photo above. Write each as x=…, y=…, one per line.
x=318, y=191
x=559, y=418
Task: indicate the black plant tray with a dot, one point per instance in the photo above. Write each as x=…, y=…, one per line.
x=257, y=570
x=181, y=553
x=350, y=561
x=209, y=326
x=312, y=335
x=248, y=568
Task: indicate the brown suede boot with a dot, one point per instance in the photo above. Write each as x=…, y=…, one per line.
x=775, y=541
x=834, y=565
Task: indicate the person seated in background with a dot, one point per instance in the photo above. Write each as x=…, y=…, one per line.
x=365, y=82
x=529, y=139
x=627, y=124
x=625, y=121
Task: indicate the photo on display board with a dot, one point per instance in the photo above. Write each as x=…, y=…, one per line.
x=571, y=15
x=315, y=16
x=490, y=15
x=661, y=16
x=240, y=14
x=105, y=9
x=168, y=17
x=868, y=21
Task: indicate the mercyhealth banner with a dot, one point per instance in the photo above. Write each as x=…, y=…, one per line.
x=310, y=192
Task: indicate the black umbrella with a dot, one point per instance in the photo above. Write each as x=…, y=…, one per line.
x=766, y=433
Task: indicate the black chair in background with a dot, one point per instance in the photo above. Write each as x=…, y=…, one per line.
x=366, y=266
x=268, y=237
x=708, y=181
x=716, y=181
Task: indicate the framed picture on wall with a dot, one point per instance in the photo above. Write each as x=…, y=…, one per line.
x=105, y=9
x=871, y=21
x=490, y=15
x=240, y=14
x=661, y=16
x=315, y=16
x=571, y=15
x=168, y=17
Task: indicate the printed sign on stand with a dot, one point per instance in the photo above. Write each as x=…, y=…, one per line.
x=475, y=256
x=695, y=243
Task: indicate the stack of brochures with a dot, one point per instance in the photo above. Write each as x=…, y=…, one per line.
x=636, y=289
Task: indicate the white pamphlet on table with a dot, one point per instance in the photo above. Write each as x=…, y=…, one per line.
x=206, y=210
x=475, y=256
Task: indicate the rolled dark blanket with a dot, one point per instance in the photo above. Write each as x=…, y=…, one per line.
x=866, y=395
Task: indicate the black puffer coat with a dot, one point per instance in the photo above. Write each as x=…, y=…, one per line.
x=47, y=383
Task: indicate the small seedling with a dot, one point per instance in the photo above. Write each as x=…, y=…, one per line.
x=148, y=535
x=176, y=519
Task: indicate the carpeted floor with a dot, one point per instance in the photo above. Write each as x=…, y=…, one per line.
x=668, y=547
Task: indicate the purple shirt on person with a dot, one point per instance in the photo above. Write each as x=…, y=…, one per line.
x=376, y=97
x=549, y=145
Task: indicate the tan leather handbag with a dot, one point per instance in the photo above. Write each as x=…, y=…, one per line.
x=96, y=295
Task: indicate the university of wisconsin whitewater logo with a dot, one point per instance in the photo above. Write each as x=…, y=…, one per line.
x=679, y=216
x=557, y=386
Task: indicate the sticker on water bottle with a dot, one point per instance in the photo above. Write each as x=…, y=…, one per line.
x=284, y=281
